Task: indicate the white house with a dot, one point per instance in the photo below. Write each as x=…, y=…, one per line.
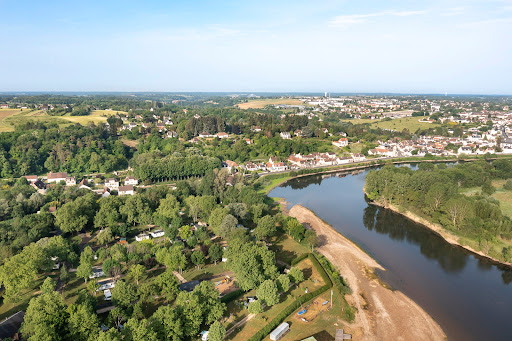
x=342, y=142
x=126, y=190
x=157, y=233
x=358, y=157
x=251, y=167
x=171, y=134
x=285, y=135
x=130, y=180
x=112, y=184
x=70, y=181
x=142, y=237
x=222, y=135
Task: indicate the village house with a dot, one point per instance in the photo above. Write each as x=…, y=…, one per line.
x=160, y=127
x=112, y=184
x=84, y=184
x=273, y=165
x=70, y=181
x=222, y=135
x=56, y=177
x=342, y=142
x=130, y=180
x=171, y=134
x=285, y=135
x=358, y=157
x=126, y=190
x=231, y=166
x=30, y=178
x=251, y=167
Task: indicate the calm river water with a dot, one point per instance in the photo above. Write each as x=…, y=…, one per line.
x=468, y=296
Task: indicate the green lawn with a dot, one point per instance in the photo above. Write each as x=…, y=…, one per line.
x=267, y=185
x=205, y=271
x=287, y=249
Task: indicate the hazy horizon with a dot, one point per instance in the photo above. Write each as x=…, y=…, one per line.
x=396, y=47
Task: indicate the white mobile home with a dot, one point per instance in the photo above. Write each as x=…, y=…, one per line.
x=279, y=331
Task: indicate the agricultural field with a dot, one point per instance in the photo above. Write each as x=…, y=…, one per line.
x=96, y=116
x=10, y=117
x=262, y=103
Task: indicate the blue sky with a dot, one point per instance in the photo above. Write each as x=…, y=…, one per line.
x=279, y=45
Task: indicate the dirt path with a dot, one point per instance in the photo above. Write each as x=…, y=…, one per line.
x=382, y=314
x=240, y=323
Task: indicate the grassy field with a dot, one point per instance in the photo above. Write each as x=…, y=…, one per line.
x=205, y=271
x=399, y=124
x=10, y=117
x=359, y=121
x=287, y=249
x=502, y=195
x=96, y=116
x=266, y=185
x=262, y=103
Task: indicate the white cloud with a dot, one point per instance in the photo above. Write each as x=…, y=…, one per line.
x=344, y=20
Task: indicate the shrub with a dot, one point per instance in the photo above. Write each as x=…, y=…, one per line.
x=232, y=296
x=508, y=185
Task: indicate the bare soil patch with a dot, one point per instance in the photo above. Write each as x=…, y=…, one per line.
x=382, y=314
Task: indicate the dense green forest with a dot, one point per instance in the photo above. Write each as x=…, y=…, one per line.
x=38, y=148
x=434, y=192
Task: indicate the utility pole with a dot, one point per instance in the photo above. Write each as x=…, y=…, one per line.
x=331, y=298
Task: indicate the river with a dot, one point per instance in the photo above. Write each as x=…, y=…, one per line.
x=470, y=297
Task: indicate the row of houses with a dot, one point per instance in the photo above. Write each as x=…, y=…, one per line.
x=294, y=161
x=110, y=184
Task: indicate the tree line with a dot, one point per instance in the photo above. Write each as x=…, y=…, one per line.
x=435, y=192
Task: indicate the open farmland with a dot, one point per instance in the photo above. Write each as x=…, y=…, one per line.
x=10, y=117
x=262, y=103
x=96, y=116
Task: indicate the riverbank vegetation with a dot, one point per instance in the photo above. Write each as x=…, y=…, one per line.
x=436, y=193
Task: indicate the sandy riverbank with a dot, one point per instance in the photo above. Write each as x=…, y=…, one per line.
x=439, y=230
x=382, y=314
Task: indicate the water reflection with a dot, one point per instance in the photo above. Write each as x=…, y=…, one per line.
x=384, y=221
